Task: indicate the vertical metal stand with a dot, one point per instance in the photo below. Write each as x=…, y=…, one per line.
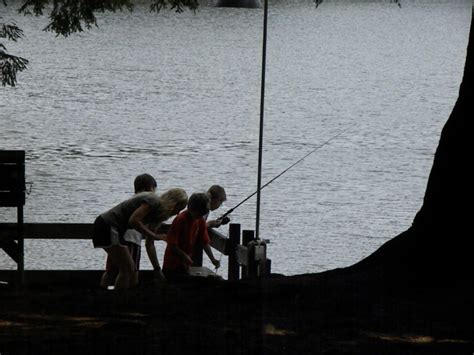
x=262, y=110
x=21, y=247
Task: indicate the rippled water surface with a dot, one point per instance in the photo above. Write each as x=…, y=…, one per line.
x=178, y=96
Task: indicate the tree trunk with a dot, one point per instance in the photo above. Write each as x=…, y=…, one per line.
x=437, y=245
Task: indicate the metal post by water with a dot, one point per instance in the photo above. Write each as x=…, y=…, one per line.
x=262, y=110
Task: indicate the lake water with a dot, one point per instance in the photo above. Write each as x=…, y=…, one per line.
x=177, y=96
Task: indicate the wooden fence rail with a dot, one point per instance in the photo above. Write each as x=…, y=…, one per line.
x=76, y=231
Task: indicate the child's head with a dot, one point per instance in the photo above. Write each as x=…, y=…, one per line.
x=173, y=201
x=217, y=196
x=198, y=204
x=144, y=182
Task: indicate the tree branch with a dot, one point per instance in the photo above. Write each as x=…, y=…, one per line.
x=9, y=66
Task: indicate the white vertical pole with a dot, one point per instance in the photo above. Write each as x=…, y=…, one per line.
x=262, y=110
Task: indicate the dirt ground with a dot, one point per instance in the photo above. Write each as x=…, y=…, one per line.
x=329, y=313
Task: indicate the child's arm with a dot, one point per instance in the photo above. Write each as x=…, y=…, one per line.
x=216, y=223
x=137, y=218
x=151, y=251
x=205, y=240
x=209, y=253
x=182, y=255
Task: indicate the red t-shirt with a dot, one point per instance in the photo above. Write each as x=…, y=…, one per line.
x=185, y=233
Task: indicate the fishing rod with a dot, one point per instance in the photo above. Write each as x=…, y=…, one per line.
x=225, y=217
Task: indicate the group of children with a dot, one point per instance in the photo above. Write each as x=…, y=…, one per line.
x=119, y=231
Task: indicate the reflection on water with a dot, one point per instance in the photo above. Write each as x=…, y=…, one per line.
x=178, y=96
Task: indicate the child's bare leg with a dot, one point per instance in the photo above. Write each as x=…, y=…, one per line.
x=134, y=280
x=104, y=280
x=120, y=257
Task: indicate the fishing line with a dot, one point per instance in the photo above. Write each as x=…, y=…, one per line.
x=284, y=171
x=217, y=268
x=28, y=188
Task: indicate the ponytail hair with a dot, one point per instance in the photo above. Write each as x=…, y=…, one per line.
x=172, y=201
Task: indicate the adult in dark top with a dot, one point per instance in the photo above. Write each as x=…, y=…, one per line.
x=139, y=212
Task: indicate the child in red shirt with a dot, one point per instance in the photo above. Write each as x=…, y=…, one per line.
x=187, y=230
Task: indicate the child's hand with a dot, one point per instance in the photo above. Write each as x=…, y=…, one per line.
x=189, y=261
x=224, y=220
x=158, y=276
x=214, y=223
x=216, y=263
x=162, y=237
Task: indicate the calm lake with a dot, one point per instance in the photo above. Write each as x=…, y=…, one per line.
x=178, y=95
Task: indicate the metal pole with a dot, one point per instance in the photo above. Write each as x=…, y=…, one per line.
x=262, y=110
x=21, y=247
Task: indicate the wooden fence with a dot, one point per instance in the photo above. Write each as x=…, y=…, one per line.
x=251, y=255
x=238, y=255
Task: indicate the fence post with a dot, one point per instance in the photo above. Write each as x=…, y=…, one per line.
x=234, y=240
x=12, y=194
x=247, y=237
x=268, y=266
x=21, y=248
